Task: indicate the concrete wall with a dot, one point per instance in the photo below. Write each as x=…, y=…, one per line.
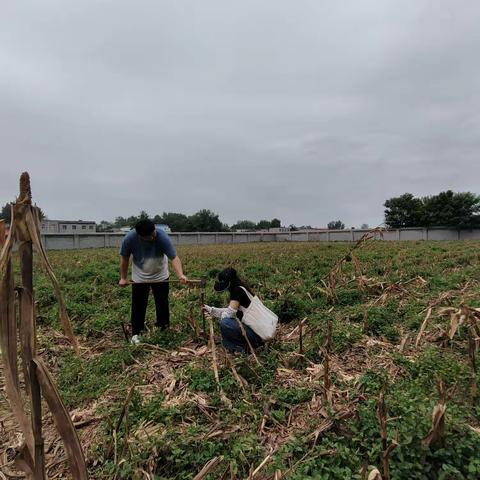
x=64, y=241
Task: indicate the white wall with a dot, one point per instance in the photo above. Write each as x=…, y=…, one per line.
x=65, y=241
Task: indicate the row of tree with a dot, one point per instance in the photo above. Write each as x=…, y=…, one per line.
x=447, y=209
x=203, y=221
x=261, y=225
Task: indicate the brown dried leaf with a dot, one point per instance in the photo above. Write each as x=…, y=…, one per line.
x=423, y=327
x=9, y=354
x=62, y=421
x=374, y=475
x=209, y=466
x=437, y=431
x=32, y=221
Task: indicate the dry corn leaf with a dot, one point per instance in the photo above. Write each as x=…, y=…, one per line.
x=32, y=221
x=437, y=431
x=63, y=422
x=374, y=475
x=456, y=320
x=9, y=355
x=438, y=426
x=423, y=327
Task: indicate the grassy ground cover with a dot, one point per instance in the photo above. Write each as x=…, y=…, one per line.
x=297, y=414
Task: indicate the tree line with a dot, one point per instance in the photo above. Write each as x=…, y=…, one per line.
x=202, y=221
x=447, y=209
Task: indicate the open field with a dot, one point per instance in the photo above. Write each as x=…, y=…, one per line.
x=308, y=415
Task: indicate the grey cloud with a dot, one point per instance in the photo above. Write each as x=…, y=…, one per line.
x=306, y=111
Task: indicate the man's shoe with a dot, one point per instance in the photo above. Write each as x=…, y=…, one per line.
x=135, y=340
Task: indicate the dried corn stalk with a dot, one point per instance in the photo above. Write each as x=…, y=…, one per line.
x=374, y=475
x=327, y=382
x=359, y=277
x=32, y=221
x=209, y=466
x=387, y=448
x=436, y=436
x=331, y=279
x=328, y=340
x=8, y=345
x=472, y=350
x=423, y=327
x=24, y=229
x=223, y=397
x=63, y=422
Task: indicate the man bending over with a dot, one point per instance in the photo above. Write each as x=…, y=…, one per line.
x=150, y=249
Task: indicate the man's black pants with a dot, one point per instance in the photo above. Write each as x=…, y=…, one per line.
x=140, y=293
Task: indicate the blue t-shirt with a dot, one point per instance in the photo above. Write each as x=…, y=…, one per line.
x=150, y=257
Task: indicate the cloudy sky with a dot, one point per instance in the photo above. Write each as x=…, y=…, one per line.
x=303, y=110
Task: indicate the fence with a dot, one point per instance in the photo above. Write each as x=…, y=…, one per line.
x=62, y=241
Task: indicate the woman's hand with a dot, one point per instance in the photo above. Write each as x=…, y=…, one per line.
x=207, y=309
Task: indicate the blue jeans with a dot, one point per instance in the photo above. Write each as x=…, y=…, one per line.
x=233, y=339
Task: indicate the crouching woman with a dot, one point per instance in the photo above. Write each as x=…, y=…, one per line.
x=245, y=318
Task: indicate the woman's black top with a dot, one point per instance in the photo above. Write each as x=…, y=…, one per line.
x=241, y=297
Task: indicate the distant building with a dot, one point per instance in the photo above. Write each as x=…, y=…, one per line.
x=68, y=226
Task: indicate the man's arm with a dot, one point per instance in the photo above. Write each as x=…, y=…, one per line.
x=171, y=253
x=123, y=271
x=177, y=266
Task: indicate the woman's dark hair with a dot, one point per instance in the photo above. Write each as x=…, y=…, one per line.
x=145, y=227
x=228, y=279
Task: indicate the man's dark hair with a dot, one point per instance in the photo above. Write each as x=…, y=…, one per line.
x=145, y=227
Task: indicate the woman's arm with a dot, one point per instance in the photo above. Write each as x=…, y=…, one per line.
x=230, y=311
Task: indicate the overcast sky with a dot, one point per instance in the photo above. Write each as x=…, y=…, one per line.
x=303, y=110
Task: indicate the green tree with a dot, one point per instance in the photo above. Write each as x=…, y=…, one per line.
x=120, y=222
x=206, y=221
x=178, y=222
x=275, y=223
x=6, y=212
x=244, y=225
x=105, y=226
x=447, y=209
x=450, y=209
x=336, y=225
x=263, y=225
x=404, y=211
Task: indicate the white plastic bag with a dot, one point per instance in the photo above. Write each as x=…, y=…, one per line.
x=259, y=318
